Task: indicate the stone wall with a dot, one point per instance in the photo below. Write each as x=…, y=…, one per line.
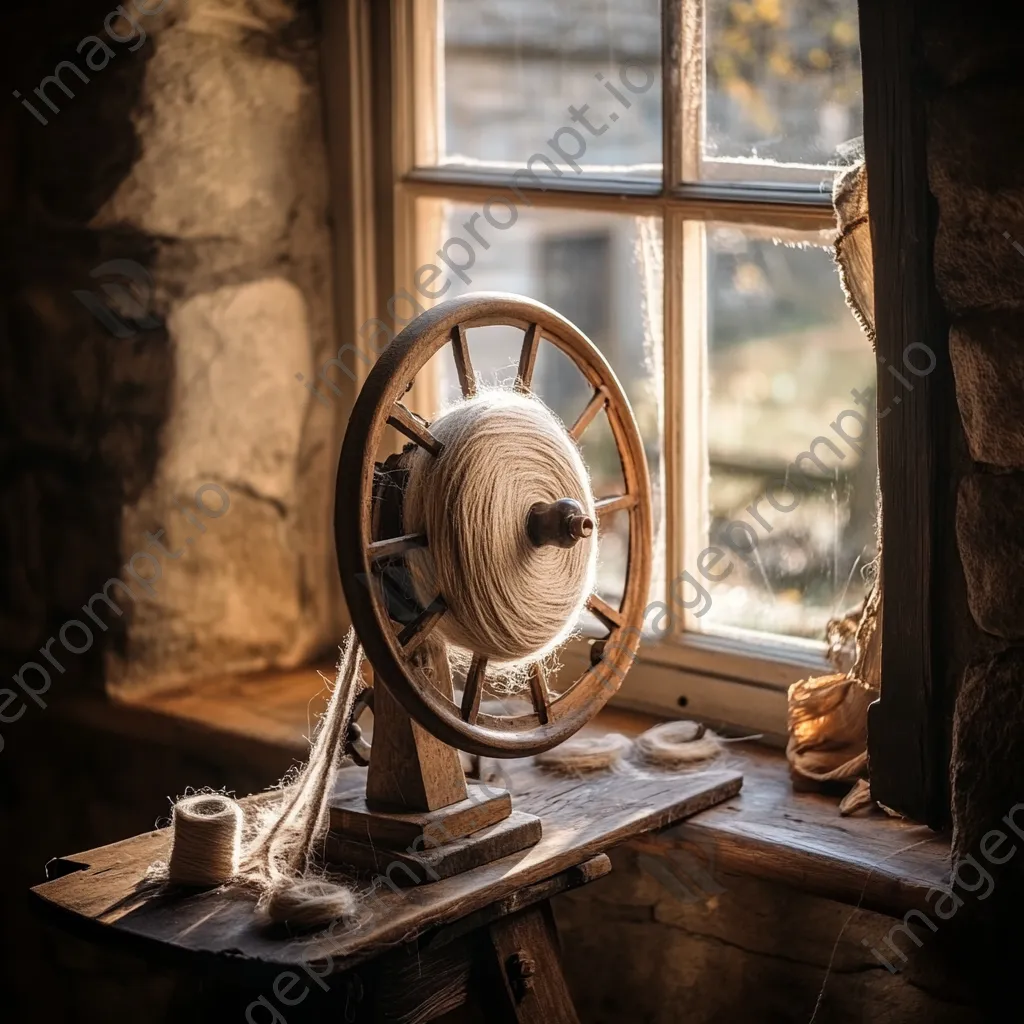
x=973, y=55
x=170, y=275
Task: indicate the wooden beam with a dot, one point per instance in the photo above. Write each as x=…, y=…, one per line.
x=907, y=745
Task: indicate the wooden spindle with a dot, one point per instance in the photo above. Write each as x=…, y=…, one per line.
x=539, y=692
x=559, y=524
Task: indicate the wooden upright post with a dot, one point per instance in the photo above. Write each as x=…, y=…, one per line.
x=410, y=769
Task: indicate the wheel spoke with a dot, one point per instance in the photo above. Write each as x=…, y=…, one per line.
x=527, y=358
x=594, y=406
x=474, y=688
x=614, y=503
x=414, y=429
x=610, y=616
x=396, y=545
x=419, y=629
x=463, y=364
x=539, y=692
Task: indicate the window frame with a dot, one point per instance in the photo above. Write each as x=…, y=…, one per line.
x=741, y=683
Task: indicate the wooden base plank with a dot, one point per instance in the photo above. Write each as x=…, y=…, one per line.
x=353, y=819
x=433, y=861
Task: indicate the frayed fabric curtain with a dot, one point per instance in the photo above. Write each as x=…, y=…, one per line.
x=828, y=714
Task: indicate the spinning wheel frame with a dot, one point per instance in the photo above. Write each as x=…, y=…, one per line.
x=555, y=717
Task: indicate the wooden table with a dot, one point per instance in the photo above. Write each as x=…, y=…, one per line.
x=482, y=941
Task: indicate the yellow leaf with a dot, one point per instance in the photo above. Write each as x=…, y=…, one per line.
x=818, y=58
x=741, y=12
x=769, y=11
x=844, y=33
x=780, y=65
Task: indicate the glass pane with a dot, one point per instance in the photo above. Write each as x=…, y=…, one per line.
x=563, y=87
x=783, y=87
x=603, y=272
x=791, y=449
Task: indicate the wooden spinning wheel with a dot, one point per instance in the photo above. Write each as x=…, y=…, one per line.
x=365, y=544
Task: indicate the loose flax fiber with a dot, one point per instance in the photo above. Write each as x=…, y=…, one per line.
x=675, y=744
x=586, y=753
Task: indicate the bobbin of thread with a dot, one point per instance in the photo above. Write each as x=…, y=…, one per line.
x=207, y=841
x=502, y=453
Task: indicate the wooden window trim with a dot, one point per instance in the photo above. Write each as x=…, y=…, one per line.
x=713, y=674
x=908, y=728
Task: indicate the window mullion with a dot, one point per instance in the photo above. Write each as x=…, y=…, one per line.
x=673, y=128
x=690, y=92
x=676, y=503
x=691, y=399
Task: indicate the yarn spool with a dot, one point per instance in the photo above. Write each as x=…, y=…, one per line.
x=586, y=753
x=677, y=744
x=206, y=845
x=509, y=599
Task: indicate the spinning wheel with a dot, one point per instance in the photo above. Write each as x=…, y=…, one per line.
x=416, y=790
x=364, y=550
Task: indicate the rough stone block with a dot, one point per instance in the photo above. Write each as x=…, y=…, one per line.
x=987, y=353
x=991, y=546
x=237, y=410
x=223, y=136
x=987, y=769
x=977, y=265
x=974, y=138
x=228, y=599
x=237, y=593
x=963, y=41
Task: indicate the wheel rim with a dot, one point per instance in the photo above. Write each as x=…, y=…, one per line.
x=554, y=717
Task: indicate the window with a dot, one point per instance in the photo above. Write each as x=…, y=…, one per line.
x=660, y=173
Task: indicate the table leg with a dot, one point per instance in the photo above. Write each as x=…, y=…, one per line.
x=532, y=988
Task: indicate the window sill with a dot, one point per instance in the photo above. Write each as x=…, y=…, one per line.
x=768, y=831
